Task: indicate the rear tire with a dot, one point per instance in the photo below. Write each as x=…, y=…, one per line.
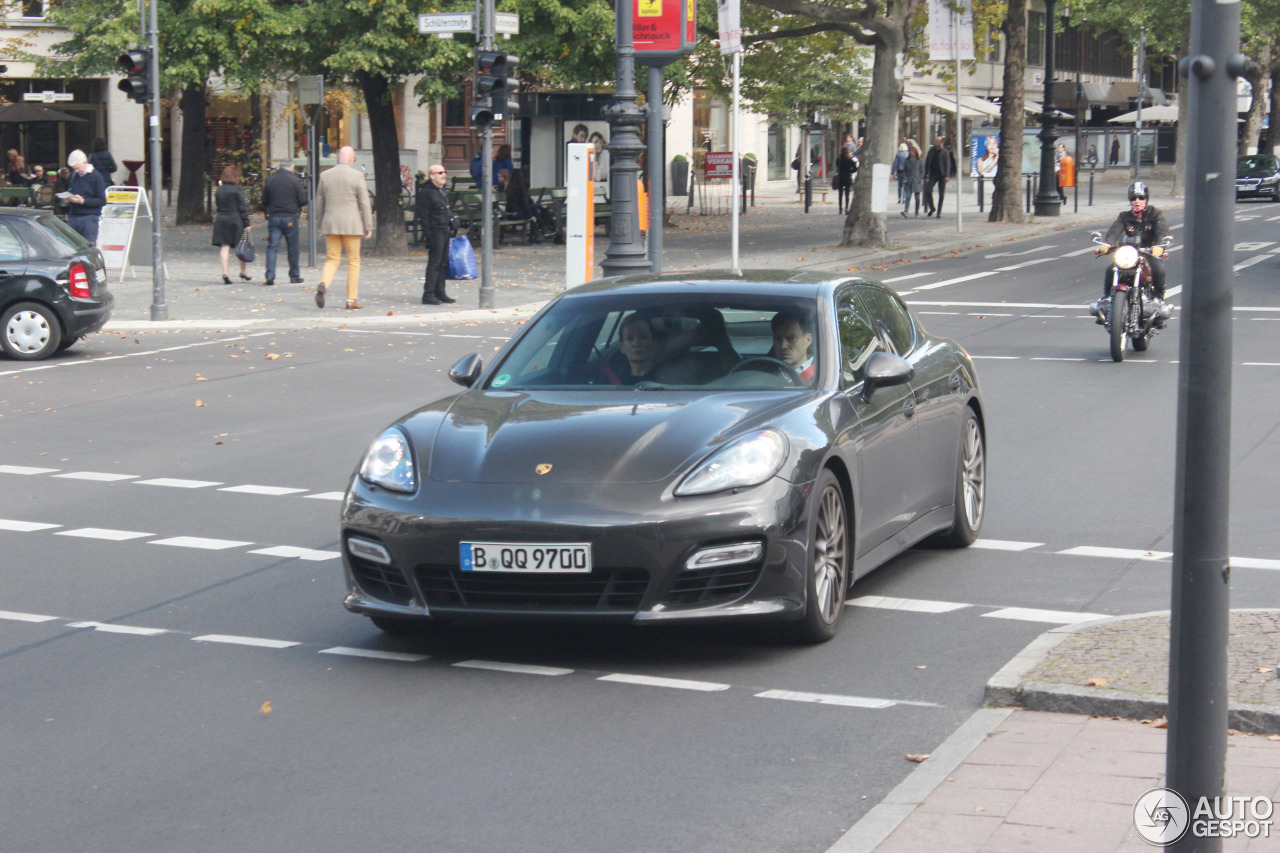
x=30, y=331
x=1118, y=318
x=827, y=572
x=971, y=486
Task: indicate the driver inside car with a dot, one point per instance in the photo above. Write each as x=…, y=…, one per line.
x=793, y=342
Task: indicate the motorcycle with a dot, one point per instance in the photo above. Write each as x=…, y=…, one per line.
x=1132, y=311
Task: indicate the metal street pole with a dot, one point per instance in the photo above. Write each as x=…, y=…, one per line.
x=1142, y=91
x=657, y=175
x=486, y=192
x=626, y=250
x=159, y=308
x=1047, y=201
x=1196, y=749
x=958, y=148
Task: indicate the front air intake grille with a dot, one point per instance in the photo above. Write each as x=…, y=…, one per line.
x=385, y=583
x=601, y=590
x=712, y=586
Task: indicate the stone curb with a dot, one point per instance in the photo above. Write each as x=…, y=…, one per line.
x=1008, y=689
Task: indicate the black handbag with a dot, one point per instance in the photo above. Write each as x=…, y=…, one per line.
x=244, y=249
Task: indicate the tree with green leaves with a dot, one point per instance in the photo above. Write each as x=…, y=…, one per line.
x=196, y=40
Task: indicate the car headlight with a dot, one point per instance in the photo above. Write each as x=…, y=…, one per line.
x=1126, y=257
x=388, y=463
x=749, y=461
x=1271, y=180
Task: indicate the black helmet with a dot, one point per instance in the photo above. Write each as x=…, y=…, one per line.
x=1138, y=190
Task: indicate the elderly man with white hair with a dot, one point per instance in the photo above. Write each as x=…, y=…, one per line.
x=87, y=195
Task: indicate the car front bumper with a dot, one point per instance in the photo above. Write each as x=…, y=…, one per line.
x=641, y=539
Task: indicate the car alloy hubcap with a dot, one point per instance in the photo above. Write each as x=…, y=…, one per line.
x=829, y=554
x=974, y=475
x=27, y=332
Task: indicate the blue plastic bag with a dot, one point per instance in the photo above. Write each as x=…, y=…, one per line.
x=462, y=260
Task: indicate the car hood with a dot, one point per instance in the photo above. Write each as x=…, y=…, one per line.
x=645, y=437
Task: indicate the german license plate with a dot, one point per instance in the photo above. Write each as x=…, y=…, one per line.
x=524, y=557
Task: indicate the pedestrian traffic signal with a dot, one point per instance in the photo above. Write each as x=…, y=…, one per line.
x=135, y=65
x=481, y=114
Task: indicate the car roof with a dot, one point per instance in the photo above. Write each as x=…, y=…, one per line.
x=24, y=211
x=807, y=283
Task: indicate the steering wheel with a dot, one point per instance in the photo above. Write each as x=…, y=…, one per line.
x=769, y=364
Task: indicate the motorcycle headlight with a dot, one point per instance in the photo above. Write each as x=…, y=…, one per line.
x=388, y=463
x=1126, y=257
x=749, y=461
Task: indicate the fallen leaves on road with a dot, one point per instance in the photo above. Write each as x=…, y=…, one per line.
x=265, y=709
x=1096, y=681
x=271, y=356
x=200, y=404
x=917, y=758
x=1265, y=669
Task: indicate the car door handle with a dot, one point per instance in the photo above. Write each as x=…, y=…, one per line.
x=954, y=381
x=909, y=407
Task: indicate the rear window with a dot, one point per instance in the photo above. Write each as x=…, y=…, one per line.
x=50, y=237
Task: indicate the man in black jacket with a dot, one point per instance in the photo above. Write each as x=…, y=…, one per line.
x=937, y=172
x=283, y=197
x=1140, y=225
x=438, y=229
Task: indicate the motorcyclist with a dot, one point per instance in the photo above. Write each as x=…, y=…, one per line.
x=1145, y=226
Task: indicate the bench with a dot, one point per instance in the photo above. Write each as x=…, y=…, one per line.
x=16, y=195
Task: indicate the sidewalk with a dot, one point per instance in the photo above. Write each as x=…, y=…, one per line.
x=776, y=232
x=1076, y=737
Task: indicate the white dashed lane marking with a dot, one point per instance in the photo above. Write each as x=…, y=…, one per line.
x=846, y=701
x=102, y=533
x=24, y=470
x=118, y=629
x=518, y=668
x=172, y=482
x=96, y=476
x=916, y=605
x=298, y=553
x=24, y=526
x=1004, y=545
x=178, y=484
x=25, y=617
x=274, y=491
x=1057, y=617
x=374, y=654
x=657, y=681
x=200, y=542
x=233, y=640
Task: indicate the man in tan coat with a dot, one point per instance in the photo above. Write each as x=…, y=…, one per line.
x=345, y=217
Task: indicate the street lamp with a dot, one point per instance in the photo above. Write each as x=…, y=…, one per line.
x=626, y=252
x=1047, y=201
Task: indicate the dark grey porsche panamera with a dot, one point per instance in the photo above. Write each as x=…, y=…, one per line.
x=657, y=449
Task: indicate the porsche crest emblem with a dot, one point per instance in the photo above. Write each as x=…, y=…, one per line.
x=544, y=468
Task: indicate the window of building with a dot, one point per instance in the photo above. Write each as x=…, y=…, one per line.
x=1035, y=38
x=33, y=8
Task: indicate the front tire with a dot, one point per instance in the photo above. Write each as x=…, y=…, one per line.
x=1119, y=318
x=30, y=331
x=971, y=486
x=827, y=572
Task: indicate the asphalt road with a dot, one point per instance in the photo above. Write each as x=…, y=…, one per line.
x=177, y=673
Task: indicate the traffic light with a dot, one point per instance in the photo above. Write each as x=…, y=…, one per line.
x=506, y=87
x=135, y=65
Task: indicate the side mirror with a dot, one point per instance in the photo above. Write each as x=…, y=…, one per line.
x=885, y=369
x=467, y=370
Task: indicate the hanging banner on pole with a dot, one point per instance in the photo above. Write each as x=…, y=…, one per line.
x=662, y=30
x=125, y=216
x=945, y=33
x=730, y=25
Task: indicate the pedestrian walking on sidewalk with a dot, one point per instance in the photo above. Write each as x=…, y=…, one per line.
x=230, y=220
x=88, y=190
x=345, y=218
x=937, y=172
x=439, y=228
x=846, y=167
x=899, y=163
x=912, y=180
x=1066, y=172
x=283, y=197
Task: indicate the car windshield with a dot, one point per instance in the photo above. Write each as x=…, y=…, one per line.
x=628, y=341
x=1261, y=162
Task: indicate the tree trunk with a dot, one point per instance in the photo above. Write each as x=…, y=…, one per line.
x=195, y=156
x=1257, y=77
x=1006, y=196
x=862, y=227
x=1272, y=136
x=391, y=240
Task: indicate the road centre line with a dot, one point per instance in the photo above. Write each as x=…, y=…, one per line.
x=1013, y=267
x=1005, y=545
x=904, y=277
x=24, y=526
x=1030, y=251
x=96, y=476
x=102, y=533
x=177, y=483
x=295, y=552
x=846, y=701
x=1078, y=252
x=915, y=605
x=1256, y=259
x=200, y=542
x=949, y=281
x=1115, y=553
x=133, y=354
x=105, y=477
x=24, y=470
x=26, y=617
x=262, y=490
x=109, y=628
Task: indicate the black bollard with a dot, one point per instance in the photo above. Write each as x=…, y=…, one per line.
x=808, y=192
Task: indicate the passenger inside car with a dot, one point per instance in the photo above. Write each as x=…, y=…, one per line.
x=639, y=344
x=793, y=342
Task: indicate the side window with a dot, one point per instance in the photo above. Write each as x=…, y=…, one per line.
x=858, y=339
x=11, y=248
x=891, y=318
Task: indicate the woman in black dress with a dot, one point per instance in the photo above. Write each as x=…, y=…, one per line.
x=520, y=206
x=846, y=166
x=231, y=219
